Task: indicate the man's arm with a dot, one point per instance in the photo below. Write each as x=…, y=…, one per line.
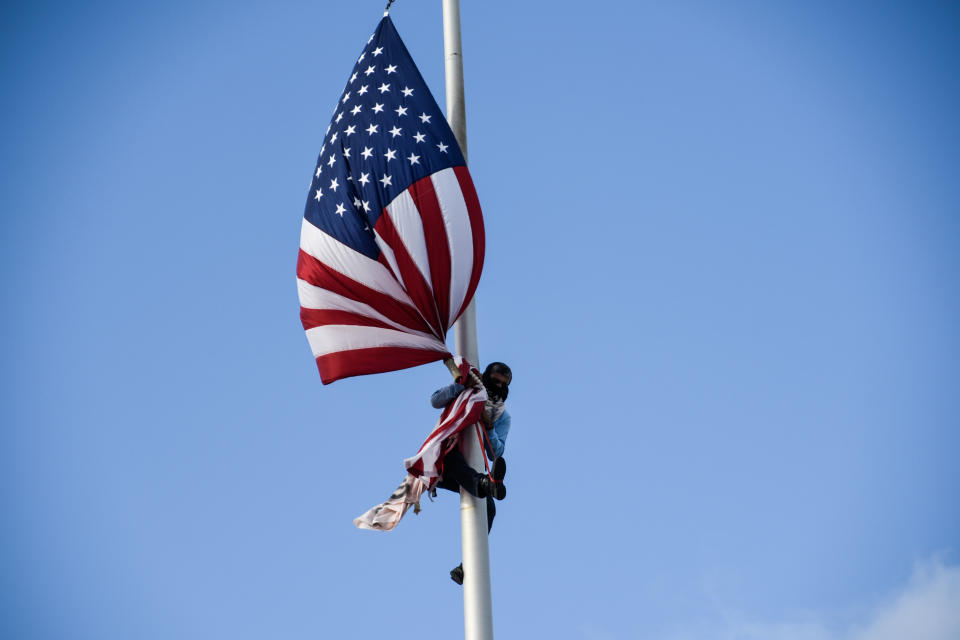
x=445, y=395
x=497, y=436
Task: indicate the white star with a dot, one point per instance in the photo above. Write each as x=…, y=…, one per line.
x=360, y=59
x=386, y=180
x=353, y=77
x=369, y=70
x=339, y=117
x=390, y=154
x=332, y=160
x=319, y=171
x=442, y=147
x=370, y=39
x=407, y=92
x=377, y=51
x=356, y=202
x=366, y=153
x=401, y=111
x=425, y=118
x=364, y=178
x=322, y=147
x=350, y=130
x=377, y=108
x=362, y=90
x=366, y=207
x=384, y=88
x=372, y=129
x=334, y=184
x=328, y=129
x=346, y=151
x=391, y=69
x=319, y=195
x=414, y=159
x=356, y=110
x=340, y=210
x=346, y=97
x=419, y=137
x=395, y=131
x=333, y=138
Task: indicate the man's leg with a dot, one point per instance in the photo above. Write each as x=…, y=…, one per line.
x=449, y=485
x=457, y=473
x=491, y=512
x=456, y=574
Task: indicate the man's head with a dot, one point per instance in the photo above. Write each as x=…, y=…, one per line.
x=496, y=378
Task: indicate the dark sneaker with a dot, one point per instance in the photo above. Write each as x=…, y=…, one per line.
x=484, y=486
x=487, y=487
x=499, y=469
x=456, y=574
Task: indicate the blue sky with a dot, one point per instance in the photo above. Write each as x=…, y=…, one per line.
x=721, y=258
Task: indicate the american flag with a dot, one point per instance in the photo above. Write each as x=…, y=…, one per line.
x=392, y=242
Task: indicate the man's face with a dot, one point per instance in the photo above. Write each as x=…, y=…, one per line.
x=498, y=386
x=500, y=378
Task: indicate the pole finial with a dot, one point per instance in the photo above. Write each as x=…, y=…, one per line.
x=386, y=11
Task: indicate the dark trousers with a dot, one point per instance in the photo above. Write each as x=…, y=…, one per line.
x=457, y=473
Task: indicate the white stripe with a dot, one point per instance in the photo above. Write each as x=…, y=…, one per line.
x=459, y=235
x=350, y=263
x=391, y=258
x=406, y=220
x=342, y=337
x=313, y=297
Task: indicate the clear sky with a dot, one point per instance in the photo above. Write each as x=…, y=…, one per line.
x=722, y=259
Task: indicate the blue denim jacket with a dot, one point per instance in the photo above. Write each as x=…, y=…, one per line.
x=497, y=436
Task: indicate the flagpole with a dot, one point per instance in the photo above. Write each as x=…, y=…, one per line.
x=477, y=601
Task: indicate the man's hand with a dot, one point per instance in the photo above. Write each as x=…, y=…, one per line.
x=485, y=420
x=473, y=380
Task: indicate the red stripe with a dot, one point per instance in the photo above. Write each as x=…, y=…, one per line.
x=445, y=421
x=476, y=228
x=438, y=246
x=318, y=274
x=312, y=318
x=358, y=362
x=413, y=280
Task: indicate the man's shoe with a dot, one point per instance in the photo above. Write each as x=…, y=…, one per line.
x=499, y=469
x=487, y=487
x=484, y=486
x=456, y=574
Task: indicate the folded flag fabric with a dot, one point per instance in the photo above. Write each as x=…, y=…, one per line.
x=424, y=469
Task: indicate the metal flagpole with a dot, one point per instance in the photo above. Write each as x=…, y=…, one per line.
x=477, y=601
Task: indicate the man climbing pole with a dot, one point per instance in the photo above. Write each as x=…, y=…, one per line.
x=457, y=472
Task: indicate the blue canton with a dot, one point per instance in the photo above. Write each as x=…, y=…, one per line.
x=386, y=133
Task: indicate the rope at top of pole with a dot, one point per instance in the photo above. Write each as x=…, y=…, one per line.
x=386, y=11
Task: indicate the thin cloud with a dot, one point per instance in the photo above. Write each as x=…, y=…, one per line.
x=926, y=608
